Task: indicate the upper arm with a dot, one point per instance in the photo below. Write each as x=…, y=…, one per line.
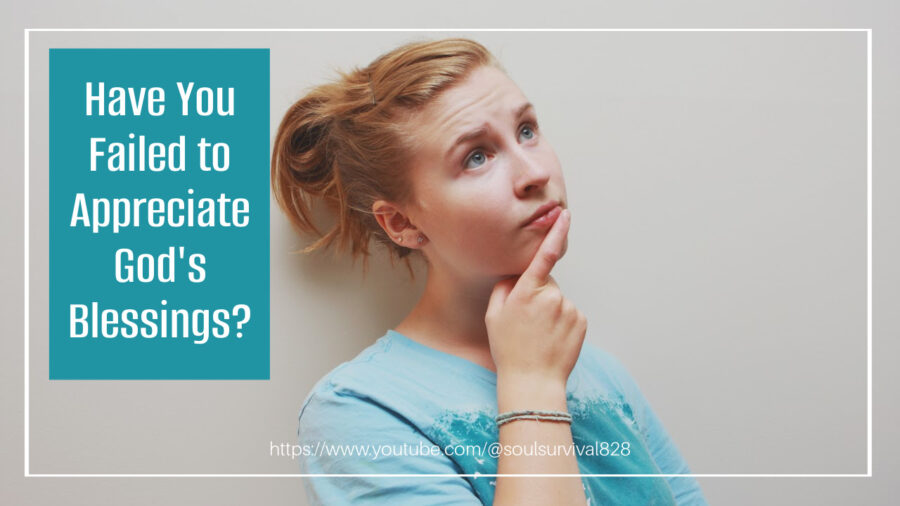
x=662, y=448
x=341, y=433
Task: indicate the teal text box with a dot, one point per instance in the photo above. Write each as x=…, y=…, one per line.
x=168, y=326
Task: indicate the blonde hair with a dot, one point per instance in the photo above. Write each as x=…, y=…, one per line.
x=344, y=141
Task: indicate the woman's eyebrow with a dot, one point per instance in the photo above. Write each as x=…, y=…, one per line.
x=483, y=129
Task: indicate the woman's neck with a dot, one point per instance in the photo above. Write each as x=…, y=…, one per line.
x=450, y=316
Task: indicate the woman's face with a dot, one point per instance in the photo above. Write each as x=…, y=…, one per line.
x=481, y=170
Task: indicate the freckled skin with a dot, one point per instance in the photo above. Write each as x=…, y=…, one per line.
x=471, y=204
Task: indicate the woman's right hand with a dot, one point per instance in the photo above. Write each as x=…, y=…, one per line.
x=534, y=331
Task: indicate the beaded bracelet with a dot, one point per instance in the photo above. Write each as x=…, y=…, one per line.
x=552, y=416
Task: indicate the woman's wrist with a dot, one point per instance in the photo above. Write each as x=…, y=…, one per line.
x=525, y=391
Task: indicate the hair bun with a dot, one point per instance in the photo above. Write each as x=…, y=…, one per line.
x=306, y=154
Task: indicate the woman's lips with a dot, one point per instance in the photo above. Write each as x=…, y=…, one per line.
x=545, y=220
x=542, y=209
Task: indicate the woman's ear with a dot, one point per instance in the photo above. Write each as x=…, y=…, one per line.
x=392, y=221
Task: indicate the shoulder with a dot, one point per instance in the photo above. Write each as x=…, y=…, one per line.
x=605, y=366
x=346, y=377
x=367, y=387
x=595, y=353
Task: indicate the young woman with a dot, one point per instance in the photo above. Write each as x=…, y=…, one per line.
x=433, y=150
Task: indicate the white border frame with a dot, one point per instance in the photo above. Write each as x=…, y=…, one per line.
x=868, y=31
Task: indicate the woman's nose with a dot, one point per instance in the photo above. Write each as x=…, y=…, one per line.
x=530, y=173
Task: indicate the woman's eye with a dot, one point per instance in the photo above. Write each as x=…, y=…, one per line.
x=478, y=157
x=530, y=130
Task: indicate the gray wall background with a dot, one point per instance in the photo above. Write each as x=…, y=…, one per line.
x=718, y=247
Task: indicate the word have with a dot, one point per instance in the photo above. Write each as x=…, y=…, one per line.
x=128, y=100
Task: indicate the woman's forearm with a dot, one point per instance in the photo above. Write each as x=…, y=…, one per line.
x=552, y=441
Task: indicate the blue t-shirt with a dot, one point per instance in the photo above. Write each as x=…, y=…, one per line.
x=400, y=407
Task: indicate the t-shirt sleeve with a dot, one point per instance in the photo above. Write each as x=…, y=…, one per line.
x=344, y=433
x=662, y=448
